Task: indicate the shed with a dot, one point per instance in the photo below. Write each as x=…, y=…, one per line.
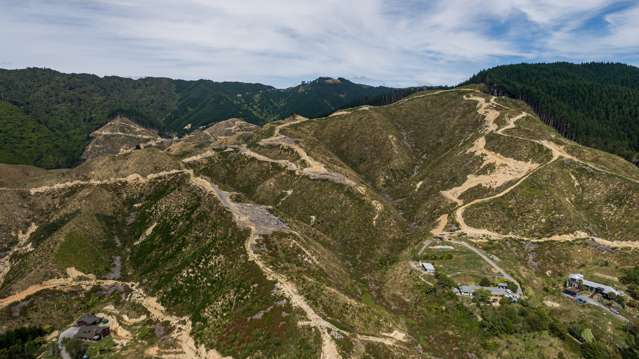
x=428, y=267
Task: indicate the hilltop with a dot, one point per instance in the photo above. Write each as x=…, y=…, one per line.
x=49, y=115
x=302, y=237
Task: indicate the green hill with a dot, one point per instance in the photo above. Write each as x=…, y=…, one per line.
x=595, y=104
x=302, y=238
x=66, y=108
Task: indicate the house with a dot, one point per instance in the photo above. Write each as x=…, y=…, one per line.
x=496, y=293
x=578, y=281
x=464, y=290
x=428, y=267
x=88, y=319
x=92, y=332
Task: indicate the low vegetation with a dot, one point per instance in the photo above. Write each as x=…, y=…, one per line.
x=21, y=343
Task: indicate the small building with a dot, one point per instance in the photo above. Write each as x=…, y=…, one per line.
x=578, y=281
x=496, y=293
x=464, y=290
x=92, y=332
x=428, y=267
x=88, y=319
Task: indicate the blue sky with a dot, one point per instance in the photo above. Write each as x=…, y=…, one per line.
x=282, y=42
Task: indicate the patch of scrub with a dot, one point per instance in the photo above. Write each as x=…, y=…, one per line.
x=84, y=253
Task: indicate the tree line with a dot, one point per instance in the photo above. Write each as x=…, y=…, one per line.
x=594, y=104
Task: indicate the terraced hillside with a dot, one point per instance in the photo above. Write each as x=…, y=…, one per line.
x=301, y=238
x=48, y=116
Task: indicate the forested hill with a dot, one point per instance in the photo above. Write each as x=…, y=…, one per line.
x=595, y=104
x=47, y=116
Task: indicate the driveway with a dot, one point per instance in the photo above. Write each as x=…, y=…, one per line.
x=589, y=300
x=68, y=333
x=492, y=263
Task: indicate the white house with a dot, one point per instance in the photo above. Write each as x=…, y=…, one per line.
x=577, y=280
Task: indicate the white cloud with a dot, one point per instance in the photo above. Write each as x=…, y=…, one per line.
x=398, y=42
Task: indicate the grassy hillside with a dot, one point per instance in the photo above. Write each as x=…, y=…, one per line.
x=59, y=111
x=302, y=238
x=595, y=104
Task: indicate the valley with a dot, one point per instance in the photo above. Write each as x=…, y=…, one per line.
x=300, y=238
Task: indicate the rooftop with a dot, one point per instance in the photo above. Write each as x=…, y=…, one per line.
x=588, y=283
x=428, y=266
x=493, y=290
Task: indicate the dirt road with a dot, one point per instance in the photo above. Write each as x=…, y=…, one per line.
x=182, y=325
x=508, y=170
x=492, y=263
x=260, y=221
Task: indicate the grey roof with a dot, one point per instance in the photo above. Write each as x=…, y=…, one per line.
x=90, y=331
x=470, y=289
x=604, y=288
x=89, y=318
x=428, y=266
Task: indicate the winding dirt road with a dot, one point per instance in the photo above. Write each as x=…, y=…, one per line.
x=75, y=279
x=507, y=170
x=260, y=221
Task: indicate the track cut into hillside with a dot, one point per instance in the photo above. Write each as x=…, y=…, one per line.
x=23, y=246
x=130, y=179
x=314, y=169
x=182, y=325
x=506, y=169
x=512, y=170
x=259, y=221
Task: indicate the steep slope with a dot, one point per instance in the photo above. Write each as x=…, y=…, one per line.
x=301, y=238
x=62, y=110
x=595, y=104
x=118, y=136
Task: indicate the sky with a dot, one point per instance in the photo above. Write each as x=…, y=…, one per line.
x=283, y=42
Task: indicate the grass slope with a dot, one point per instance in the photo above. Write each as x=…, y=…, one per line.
x=53, y=113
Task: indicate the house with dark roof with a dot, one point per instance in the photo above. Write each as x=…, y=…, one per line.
x=88, y=319
x=92, y=332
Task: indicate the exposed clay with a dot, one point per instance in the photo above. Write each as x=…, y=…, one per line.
x=314, y=169
x=77, y=279
x=516, y=170
x=261, y=222
x=23, y=246
x=506, y=169
x=130, y=179
x=145, y=234
x=442, y=221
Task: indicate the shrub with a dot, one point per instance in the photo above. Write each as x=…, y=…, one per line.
x=21, y=343
x=595, y=350
x=481, y=296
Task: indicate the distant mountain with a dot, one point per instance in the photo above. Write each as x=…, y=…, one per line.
x=595, y=104
x=59, y=111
